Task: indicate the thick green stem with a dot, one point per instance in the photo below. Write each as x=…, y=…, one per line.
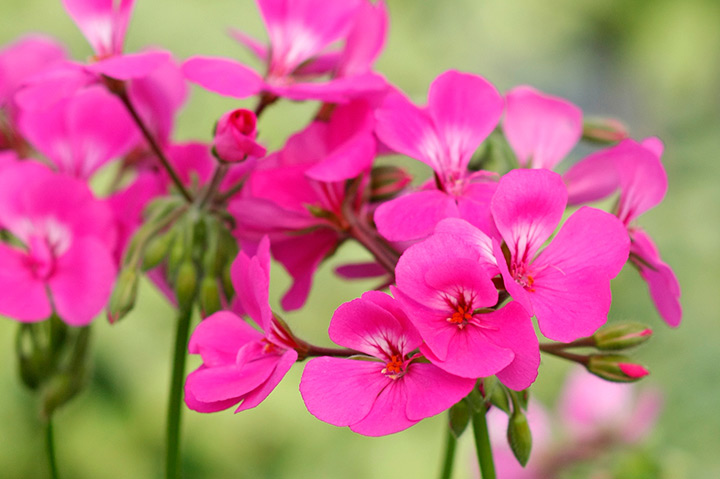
x=482, y=445
x=174, y=411
x=50, y=447
x=447, y=466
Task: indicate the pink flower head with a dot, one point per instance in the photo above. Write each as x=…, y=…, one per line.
x=235, y=136
x=240, y=364
x=636, y=171
x=104, y=23
x=300, y=31
x=388, y=393
x=541, y=129
x=444, y=283
x=567, y=285
x=462, y=110
x=296, y=195
x=66, y=239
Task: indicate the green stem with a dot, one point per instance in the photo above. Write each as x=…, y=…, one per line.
x=447, y=466
x=482, y=445
x=50, y=447
x=176, y=389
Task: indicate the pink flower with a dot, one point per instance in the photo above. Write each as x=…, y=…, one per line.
x=235, y=136
x=636, y=171
x=300, y=31
x=444, y=284
x=567, y=285
x=540, y=128
x=75, y=137
x=388, y=393
x=462, y=111
x=240, y=364
x=64, y=261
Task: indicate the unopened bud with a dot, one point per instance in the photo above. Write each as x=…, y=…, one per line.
x=124, y=294
x=209, y=296
x=621, y=336
x=235, y=134
x=157, y=249
x=60, y=389
x=615, y=367
x=186, y=283
x=459, y=416
x=604, y=130
x=387, y=181
x=519, y=436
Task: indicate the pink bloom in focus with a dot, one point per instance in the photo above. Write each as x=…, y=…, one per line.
x=636, y=171
x=444, y=284
x=235, y=136
x=388, y=393
x=66, y=241
x=81, y=133
x=462, y=110
x=240, y=364
x=299, y=31
x=541, y=129
x=567, y=285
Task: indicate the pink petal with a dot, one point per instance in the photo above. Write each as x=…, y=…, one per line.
x=593, y=178
x=341, y=391
x=339, y=90
x=258, y=49
x=387, y=415
x=251, y=279
x=542, y=129
x=102, y=23
x=365, y=40
x=258, y=395
x=56, y=83
x=350, y=160
x=430, y=390
x=230, y=381
x=415, y=215
x=461, y=230
x=23, y=297
x=465, y=108
x=223, y=76
x=82, y=281
x=130, y=65
x=527, y=207
x=218, y=338
x=643, y=181
x=205, y=407
x=663, y=284
x=379, y=331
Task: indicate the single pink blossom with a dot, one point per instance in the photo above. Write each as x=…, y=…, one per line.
x=567, y=285
x=240, y=364
x=391, y=391
x=444, y=284
x=462, y=110
x=66, y=237
x=540, y=128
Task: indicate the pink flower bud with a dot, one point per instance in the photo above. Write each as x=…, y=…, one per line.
x=235, y=137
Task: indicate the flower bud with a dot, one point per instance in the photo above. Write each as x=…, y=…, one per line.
x=615, y=367
x=124, y=294
x=387, y=181
x=157, y=249
x=604, y=130
x=186, y=283
x=209, y=296
x=621, y=336
x=235, y=137
x=519, y=436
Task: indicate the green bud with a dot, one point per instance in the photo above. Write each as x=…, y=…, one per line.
x=227, y=285
x=621, y=336
x=157, y=249
x=459, y=416
x=615, y=367
x=519, y=437
x=387, y=181
x=124, y=294
x=209, y=296
x=32, y=363
x=604, y=130
x=186, y=283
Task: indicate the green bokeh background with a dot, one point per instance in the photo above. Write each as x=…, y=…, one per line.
x=653, y=63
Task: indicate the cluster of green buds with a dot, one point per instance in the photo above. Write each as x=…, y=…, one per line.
x=193, y=247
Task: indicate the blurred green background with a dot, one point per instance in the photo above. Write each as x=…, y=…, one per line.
x=653, y=63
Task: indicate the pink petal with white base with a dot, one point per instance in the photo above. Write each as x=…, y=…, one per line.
x=643, y=181
x=415, y=215
x=527, y=207
x=24, y=296
x=465, y=108
x=251, y=279
x=103, y=22
x=540, y=128
x=223, y=76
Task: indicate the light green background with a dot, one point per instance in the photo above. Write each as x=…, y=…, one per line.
x=653, y=63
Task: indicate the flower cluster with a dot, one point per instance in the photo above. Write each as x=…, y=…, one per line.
x=466, y=258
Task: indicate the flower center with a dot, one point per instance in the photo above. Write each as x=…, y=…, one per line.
x=523, y=276
x=462, y=312
x=395, y=368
